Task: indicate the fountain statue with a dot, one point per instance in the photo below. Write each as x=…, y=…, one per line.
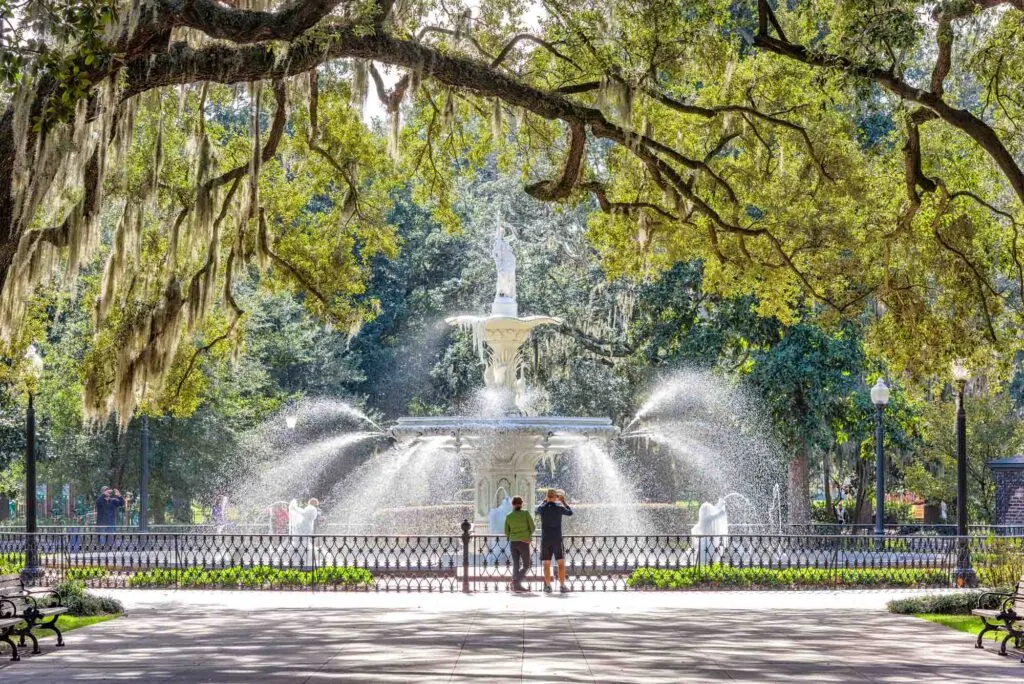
x=505, y=261
x=712, y=529
x=503, y=451
x=496, y=518
x=499, y=337
x=301, y=519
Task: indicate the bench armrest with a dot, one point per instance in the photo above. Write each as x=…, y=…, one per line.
x=8, y=612
x=1008, y=603
x=1003, y=594
x=43, y=593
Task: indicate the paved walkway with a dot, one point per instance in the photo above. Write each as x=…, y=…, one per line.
x=411, y=638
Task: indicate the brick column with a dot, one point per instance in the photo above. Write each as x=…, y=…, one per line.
x=1009, y=477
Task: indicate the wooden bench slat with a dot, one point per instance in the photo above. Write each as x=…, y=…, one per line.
x=53, y=610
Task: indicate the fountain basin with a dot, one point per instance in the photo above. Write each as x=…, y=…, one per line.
x=469, y=432
x=503, y=452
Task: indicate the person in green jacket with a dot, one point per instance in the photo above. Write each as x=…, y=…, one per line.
x=519, y=528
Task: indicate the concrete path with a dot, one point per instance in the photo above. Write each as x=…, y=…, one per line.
x=410, y=638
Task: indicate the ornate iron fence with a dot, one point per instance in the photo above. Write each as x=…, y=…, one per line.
x=331, y=528
x=483, y=562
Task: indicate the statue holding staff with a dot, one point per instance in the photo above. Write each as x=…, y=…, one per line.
x=505, y=261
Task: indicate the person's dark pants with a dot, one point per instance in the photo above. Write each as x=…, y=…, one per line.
x=106, y=536
x=551, y=548
x=520, y=561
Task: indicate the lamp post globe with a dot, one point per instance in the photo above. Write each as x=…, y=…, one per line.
x=879, y=397
x=35, y=365
x=960, y=371
x=880, y=393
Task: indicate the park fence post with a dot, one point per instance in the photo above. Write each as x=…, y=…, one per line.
x=177, y=562
x=65, y=555
x=466, y=527
x=312, y=562
x=837, y=542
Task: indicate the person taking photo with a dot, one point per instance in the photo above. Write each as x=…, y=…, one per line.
x=551, y=513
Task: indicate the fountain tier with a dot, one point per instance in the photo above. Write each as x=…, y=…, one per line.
x=504, y=452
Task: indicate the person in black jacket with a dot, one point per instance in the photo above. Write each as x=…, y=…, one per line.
x=106, y=513
x=551, y=513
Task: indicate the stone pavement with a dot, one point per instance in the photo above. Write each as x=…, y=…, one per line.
x=196, y=636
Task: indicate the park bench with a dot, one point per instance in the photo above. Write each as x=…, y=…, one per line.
x=1009, y=617
x=20, y=605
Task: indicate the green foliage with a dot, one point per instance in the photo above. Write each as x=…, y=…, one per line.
x=257, y=577
x=805, y=376
x=79, y=574
x=994, y=431
x=954, y=603
x=72, y=594
x=726, y=576
x=11, y=563
x=64, y=38
x=1001, y=563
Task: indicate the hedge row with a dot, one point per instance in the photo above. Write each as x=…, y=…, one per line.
x=727, y=576
x=257, y=577
x=11, y=563
x=956, y=603
x=84, y=573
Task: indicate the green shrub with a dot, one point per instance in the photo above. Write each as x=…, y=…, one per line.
x=258, y=577
x=85, y=573
x=954, y=603
x=1001, y=564
x=11, y=563
x=72, y=594
x=727, y=576
x=153, y=578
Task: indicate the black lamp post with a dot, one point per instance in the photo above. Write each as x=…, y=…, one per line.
x=35, y=371
x=965, y=575
x=879, y=397
x=144, y=476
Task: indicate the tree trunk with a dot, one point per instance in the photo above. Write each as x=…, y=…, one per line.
x=799, y=486
x=826, y=476
x=158, y=508
x=861, y=513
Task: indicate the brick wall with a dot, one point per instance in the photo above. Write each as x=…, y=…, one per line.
x=1009, y=496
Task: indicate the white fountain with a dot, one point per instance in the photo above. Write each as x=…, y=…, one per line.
x=504, y=449
x=712, y=529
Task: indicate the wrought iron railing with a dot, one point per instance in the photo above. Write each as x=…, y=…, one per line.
x=470, y=562
x=897, y=529
x=342, y=529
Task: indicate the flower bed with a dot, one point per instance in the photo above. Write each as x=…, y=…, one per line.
x=714, y=576
x=259, y=577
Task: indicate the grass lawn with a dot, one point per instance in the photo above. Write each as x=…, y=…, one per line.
x=67, y=623
x=962, y=623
